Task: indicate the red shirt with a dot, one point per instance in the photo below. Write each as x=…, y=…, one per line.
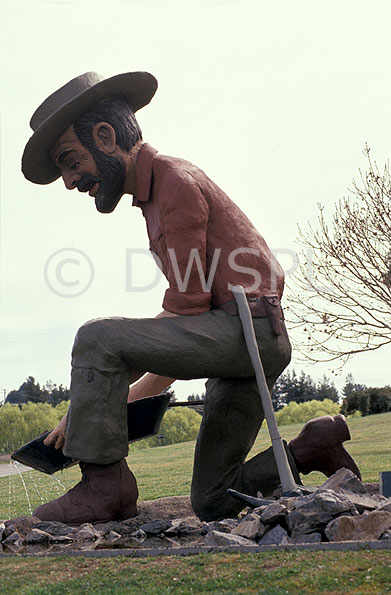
x=202, y=240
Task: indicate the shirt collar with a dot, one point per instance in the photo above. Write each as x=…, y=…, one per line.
x=144, y=174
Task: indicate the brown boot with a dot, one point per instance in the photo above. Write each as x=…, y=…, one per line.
x=105, y=493
x=318, y=447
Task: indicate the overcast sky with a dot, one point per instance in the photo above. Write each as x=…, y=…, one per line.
x=274, y=100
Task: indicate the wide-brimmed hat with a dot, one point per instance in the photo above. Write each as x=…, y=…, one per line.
x=64, y=106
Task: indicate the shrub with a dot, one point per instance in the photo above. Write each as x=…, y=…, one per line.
x=38, y=417
x=355, y=414
x=301, y=412
x=19, y=425
x=61, y=409
x=13, y=428
x=178, y=425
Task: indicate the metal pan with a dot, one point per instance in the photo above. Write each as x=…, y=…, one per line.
x=144, y=419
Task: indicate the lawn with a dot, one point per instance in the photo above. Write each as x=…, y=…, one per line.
x=166, y=471
x=270, y=572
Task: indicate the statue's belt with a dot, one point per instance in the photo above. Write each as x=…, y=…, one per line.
x=267, y=306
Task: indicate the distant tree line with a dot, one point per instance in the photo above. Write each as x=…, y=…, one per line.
x=368, y=401
x=289, y=388
x=298, y=399
x=32, y=392
x=301, y=388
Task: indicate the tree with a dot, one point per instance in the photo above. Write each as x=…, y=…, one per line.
x=56, y=394
x=278, y=394
x=369, y=401
x=28, y=391
x=170, y=391
x=340, y=296
x=351, y=386
x=326, y=390
x=289, y=388
x=196, y=397
x=31, y=391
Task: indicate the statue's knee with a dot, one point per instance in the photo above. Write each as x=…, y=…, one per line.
x=199, y=505
x=88, y=336
x=206, y=508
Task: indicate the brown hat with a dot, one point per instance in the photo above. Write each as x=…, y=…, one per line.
x=64, y=106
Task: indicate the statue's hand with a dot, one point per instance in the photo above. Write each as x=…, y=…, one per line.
x=57, y=436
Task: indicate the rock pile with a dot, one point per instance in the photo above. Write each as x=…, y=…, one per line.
x=339, y=510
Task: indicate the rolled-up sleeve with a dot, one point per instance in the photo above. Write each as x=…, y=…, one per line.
x=184, y=220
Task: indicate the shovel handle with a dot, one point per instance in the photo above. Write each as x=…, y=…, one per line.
x=284, y=470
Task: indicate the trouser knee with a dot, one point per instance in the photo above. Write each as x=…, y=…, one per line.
x=88, y=336
x=214, y=507
x=95, y=347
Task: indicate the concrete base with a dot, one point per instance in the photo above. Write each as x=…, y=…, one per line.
x=192, y=551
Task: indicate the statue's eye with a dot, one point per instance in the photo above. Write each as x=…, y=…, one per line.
x=75, y=165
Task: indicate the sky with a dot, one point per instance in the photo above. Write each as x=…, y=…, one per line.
x=273, y=100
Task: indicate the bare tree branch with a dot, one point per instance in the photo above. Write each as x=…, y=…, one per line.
x=340, y=295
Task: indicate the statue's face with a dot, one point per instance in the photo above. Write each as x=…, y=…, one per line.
x=99, y=174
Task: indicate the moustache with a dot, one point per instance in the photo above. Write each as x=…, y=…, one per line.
x=86, y=182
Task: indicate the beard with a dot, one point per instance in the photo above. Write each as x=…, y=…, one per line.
x=111, y=171
x=111, y=178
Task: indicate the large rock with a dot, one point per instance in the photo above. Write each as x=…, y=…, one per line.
x=218, y=538
x=386, y=505
x=251, y=527
x=346, y=482
x=275, y=536
x=312, y=513
x=224, y=526
x=362, y=502
x=274, y=513
x=87, y=532
x=343, y=479
x=14, y=539
x=124, y=528
x=366, y=527
x=183, y=527
x=156, y=527
x=20, y=524
x=55, y=528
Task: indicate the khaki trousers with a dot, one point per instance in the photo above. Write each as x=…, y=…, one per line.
x=107, y=350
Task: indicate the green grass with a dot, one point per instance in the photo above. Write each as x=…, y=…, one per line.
x=270, y=572
x=166, y=470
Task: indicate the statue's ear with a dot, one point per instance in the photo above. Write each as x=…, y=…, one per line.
x=104, y=137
